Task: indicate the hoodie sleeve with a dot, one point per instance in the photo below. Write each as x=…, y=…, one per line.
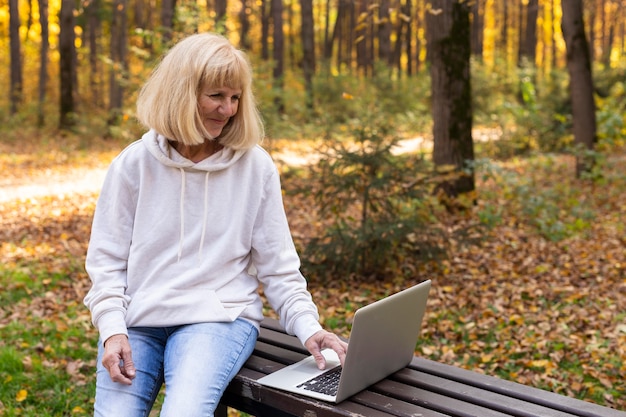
x=278, y=265
x=107, y=255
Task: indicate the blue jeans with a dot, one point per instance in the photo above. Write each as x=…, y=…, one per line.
x=196, y=362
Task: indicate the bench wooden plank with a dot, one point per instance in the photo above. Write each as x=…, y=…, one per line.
x=281, y=339
x=435, y=401
x=468, y=396
x=514, y=390
x=276, y=353
x=393, y=406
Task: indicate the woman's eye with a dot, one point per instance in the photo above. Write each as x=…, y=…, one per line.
x=220, y=96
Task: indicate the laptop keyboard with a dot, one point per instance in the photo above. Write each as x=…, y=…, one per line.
x=326, y=383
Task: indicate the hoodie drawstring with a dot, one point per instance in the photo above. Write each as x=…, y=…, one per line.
x=205, y=214
x=182, y=213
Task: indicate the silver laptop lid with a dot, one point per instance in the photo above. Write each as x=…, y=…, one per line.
x=383, y=338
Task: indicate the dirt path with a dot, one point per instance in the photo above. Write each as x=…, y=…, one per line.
x=89, y=180
x=75, y=181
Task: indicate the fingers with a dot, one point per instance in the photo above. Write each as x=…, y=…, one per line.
x=128, y=367
x=117, y=374
x=324, y=339
x=319, y=359
x=118, y=360
x=341, y=348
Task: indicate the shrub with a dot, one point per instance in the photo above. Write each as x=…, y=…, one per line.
x=377, y=206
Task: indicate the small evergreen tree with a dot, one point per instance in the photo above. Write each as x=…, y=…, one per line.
x=378, y=206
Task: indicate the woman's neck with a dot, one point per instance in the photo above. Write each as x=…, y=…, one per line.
x=197, y=153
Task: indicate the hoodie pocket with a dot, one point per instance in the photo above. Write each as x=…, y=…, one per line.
x=179, y=306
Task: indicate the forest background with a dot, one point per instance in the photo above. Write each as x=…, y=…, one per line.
x=528, y=266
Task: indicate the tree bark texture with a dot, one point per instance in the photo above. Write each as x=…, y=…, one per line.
x=168, y=10
x=528, y=33
x=16, y=87
x=448, y=30
x=43, y=60
x=67, y=62
x=308, y=49
x=278, y=50
x=581, y=82
x=119, y=65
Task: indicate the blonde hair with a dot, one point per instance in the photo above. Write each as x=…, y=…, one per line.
x=168, y=101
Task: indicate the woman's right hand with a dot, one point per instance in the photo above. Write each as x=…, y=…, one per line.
x=118, y=359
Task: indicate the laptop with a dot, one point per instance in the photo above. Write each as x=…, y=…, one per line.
x=382, y=341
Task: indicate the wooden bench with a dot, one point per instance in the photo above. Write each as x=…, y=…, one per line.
x=424, y=388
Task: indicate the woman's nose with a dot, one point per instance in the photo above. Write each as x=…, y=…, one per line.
x=227, y=107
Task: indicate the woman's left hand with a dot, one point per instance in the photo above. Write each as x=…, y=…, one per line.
x=322, y=340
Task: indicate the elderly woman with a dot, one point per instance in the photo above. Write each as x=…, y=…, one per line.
x=184, y=216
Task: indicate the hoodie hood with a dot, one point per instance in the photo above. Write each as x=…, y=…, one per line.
x=160, y=148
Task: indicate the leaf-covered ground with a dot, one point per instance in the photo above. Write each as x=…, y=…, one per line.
x=542, y=312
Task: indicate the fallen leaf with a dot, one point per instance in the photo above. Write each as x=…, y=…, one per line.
x=21, y=395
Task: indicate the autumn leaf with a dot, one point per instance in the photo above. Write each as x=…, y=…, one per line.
x=21, y=395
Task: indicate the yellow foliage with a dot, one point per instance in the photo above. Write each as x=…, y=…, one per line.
x=21, y=395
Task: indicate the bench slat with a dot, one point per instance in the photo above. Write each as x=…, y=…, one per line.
x=395, y=407
x=512, y=389
x=471, y=396
x=281, y=339
x=277, y=353
x=434, y=400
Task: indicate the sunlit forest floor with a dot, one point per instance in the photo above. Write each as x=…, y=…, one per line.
x=519, y=305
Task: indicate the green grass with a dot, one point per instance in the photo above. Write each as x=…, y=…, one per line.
x=47, y=350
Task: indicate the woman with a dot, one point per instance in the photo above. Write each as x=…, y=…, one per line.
x=184, y=217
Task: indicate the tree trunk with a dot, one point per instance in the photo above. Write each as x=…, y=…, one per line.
x=244, y=21
x=581, y=82
x=17, y=88
x=337, y=34
x=384, y=33
x=478, y=23
x=504, y=30
x=528, y=36
x=327, y=50
x=93, y=29
x=362, y=36
x=407, y=25
x=119, y=65
x=308, y=49
x=265, y=30
x=168, y=11
x=448, y=30
x=278, y=52
x=220, y=16
x=291, y=37
x=67, y=63
x=43, y=60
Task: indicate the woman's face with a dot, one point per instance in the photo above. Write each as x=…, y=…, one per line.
x=217, y=105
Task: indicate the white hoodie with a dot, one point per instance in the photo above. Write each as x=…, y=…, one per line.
x=173, y=242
